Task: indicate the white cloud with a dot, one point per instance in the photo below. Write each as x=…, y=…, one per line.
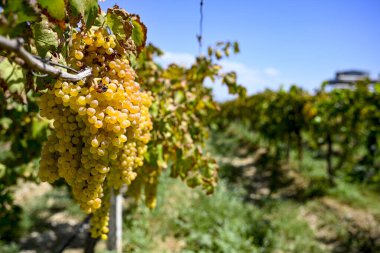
x=183, y=59
x=246, y=75
x=254, y=79
x=271, y=72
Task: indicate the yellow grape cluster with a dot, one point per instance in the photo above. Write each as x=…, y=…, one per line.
x=101, y=125
x=151, y=191
x=146, y=182
x=100, y=218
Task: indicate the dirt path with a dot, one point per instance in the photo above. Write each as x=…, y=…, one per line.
x=54, y=226
x=341, y=228
x=28, y=190
x=360, y=219
x=338, y=227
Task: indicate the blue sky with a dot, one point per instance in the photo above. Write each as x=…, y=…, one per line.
x=282, y=42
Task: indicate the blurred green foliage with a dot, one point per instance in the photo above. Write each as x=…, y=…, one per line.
x=341, y=125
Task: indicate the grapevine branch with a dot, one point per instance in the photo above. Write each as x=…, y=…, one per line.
x=35, y=63
x=200, y=35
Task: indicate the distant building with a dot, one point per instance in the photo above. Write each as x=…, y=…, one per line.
x=351, y=76
x=346, y=79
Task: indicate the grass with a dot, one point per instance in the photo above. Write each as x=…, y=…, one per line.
x=354, y=194
x=188, y=221
x=328, y=221
x=233, y=138
x=311, y=167
x=9, y=247
x=357, y=196
x=289, y=232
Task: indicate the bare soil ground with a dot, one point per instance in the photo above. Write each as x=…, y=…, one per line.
x=54, y=229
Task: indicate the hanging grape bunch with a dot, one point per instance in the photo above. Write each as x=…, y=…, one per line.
x=101, y=125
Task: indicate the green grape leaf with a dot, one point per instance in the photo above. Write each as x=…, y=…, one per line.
x=14, y=77
x=5, y=123
x=132, y=60
x=218, y=54
x=21, y=11
x=45, y=38
x=11, y=73
x=100, y=20
x=38, y=128
x=3, y=169
x=209, y=51
x=194, y=181
x=179, y=96
x=119, y=23
x=139, y=32
x=130, y=31
x=377, y=87
x=87, y=9
x=229, y=79
x=56, y=9
x=160, y=158
x=236, y=47
x=15, y=15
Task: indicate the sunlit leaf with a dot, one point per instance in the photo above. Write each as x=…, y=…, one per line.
x=45, y=38
x=56, y=8
x=119, y=23
x=15, y=15
x=87, y=9
x=236, y=47
x=139, y=32
x=21, y=10
x=14, y=78
x=377, y=87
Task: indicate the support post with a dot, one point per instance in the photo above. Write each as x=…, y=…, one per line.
x=330, y=170
x=115, y=222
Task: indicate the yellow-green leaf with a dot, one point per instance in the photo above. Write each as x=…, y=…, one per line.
x=45, y=38
x=119, y=24
x=13, y=75
x=56, y=8
x=88, y=9
x=139, y=32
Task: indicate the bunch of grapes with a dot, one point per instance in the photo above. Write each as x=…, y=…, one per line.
x=101, y=125
x=99, y=220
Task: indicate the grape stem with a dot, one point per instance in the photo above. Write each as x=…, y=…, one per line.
x=37, y=64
